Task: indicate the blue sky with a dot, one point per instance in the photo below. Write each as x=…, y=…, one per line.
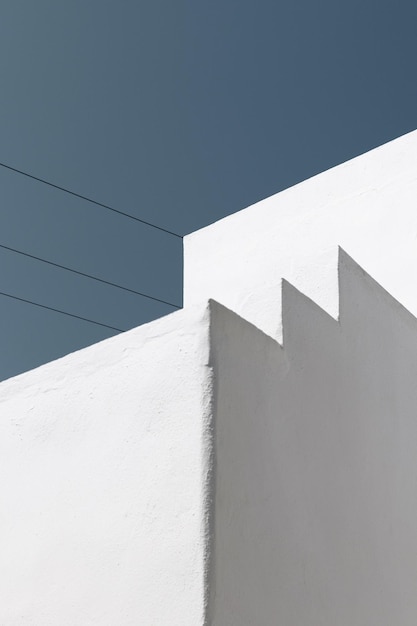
x=179, y=113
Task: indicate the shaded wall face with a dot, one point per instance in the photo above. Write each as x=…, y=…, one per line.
x=319, y=526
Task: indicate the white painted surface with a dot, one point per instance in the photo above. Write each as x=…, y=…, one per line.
x=367, y=206
x=316, y=470
x=102, y=482
x=194, y=472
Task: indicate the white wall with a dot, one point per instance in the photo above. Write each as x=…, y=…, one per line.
x=194, y=472
x=367, y=206
x=103, y=484
x=316, y=472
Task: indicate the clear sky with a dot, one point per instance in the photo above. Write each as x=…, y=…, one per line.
x=179, y=112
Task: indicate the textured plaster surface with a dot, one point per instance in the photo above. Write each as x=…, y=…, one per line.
x=102, y=461
x=315, y=477
x=367, y=206
x=195, y=472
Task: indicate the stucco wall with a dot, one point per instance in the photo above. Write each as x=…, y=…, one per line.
x=367, y=206
x=316, y=472
x=102, y=458
x=195, y=472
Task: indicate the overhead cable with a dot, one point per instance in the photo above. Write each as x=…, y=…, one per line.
x=49, y=308
x=90, y=276
x=78, y=195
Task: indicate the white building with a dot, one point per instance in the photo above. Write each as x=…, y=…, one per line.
x=250, y=460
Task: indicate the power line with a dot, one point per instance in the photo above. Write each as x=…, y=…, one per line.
x=100, y=280
x=78, y=195
x=49, y=308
